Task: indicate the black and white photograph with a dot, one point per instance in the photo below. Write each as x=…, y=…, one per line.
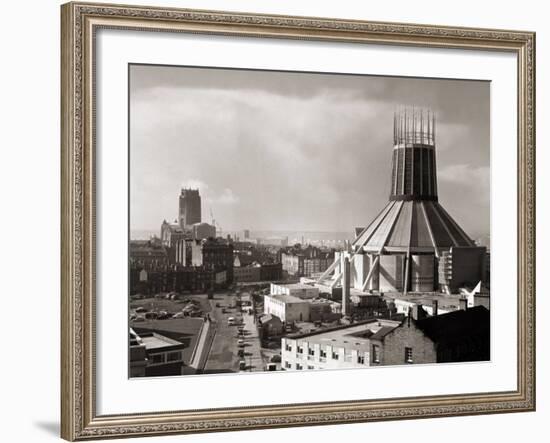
x=287, y=221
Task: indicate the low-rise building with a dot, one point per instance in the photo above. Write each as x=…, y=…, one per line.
x=244, y=274
x=213, y=254
x=153, y=354
x=271, y=272
x=175, y=278
x=458, y=336
x=203, y=230
x=342, y=347
x=270, y=325
x=148, y=253
x=306, y=261
x=287, y=307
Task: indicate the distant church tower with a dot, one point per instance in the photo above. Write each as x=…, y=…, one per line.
x=190, y=208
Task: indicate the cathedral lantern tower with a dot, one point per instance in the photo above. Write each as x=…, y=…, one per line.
x=413, y=244
x=414, y=174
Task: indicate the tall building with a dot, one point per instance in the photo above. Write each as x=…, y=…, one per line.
x=413, y=244
x=189, y=208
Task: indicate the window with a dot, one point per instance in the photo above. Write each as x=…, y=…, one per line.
x=408, y=355
x=173, y=356
x=323, y=354
x=361, y=359
x=299, y=367
x=335, y=355
x=288, y=365
x=376, y=353
x=311, y=351
x=288, y=347
x=157, y=358
x=310, y=367
x=300, y=350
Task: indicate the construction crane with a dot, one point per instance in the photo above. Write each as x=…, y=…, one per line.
x=218, y=227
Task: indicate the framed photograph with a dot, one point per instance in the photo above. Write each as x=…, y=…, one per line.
x=277, y=221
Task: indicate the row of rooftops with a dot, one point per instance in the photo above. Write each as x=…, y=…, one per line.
x=447, y=328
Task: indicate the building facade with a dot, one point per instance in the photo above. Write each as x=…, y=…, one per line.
x=343, y=347
x=304, y=262
x=247, y=274
x=175, y=278
x=295, y=289
x=458, y=336
x=148, y=254
x=203, y=230
x=153, y=354
x=288, y=308
x=189, y=208
x=213, y=254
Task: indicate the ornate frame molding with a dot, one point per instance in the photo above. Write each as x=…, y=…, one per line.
x=79, y=22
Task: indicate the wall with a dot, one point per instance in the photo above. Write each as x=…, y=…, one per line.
x=29, y=88
x=393, y=349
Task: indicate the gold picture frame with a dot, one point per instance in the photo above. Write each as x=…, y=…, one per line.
x=79, y=22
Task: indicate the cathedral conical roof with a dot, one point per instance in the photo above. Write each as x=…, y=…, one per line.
x=413, y=226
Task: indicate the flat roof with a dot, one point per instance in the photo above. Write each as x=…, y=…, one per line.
x=349, y=336
x=285, y=298
x=443, y=300
x=184, y=330
x=157, y=341
x=295, y=286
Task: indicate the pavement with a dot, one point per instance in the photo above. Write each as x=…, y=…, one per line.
x=253, y=355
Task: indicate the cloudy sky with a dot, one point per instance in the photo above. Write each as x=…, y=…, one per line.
x=295, y=151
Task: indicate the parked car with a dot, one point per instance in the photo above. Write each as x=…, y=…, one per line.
x=139, y=319
x=231, y=321
x=151, y=315
x=178, y=315
x=140, y=310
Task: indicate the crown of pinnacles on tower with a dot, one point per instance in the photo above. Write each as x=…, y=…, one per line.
x=413, y=220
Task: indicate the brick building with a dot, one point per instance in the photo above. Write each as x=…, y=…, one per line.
x=458, y=336
x=306, y=261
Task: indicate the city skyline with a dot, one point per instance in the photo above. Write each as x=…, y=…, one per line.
x=286, y=151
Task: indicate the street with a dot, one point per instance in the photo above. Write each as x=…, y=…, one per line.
x=223, y=355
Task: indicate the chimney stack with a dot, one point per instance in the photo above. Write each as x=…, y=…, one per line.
x=435, y=307
x=346, y=287
x=463, y=303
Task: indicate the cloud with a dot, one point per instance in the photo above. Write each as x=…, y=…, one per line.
x=466, y=175
x=227, y=197
x=286, y=151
